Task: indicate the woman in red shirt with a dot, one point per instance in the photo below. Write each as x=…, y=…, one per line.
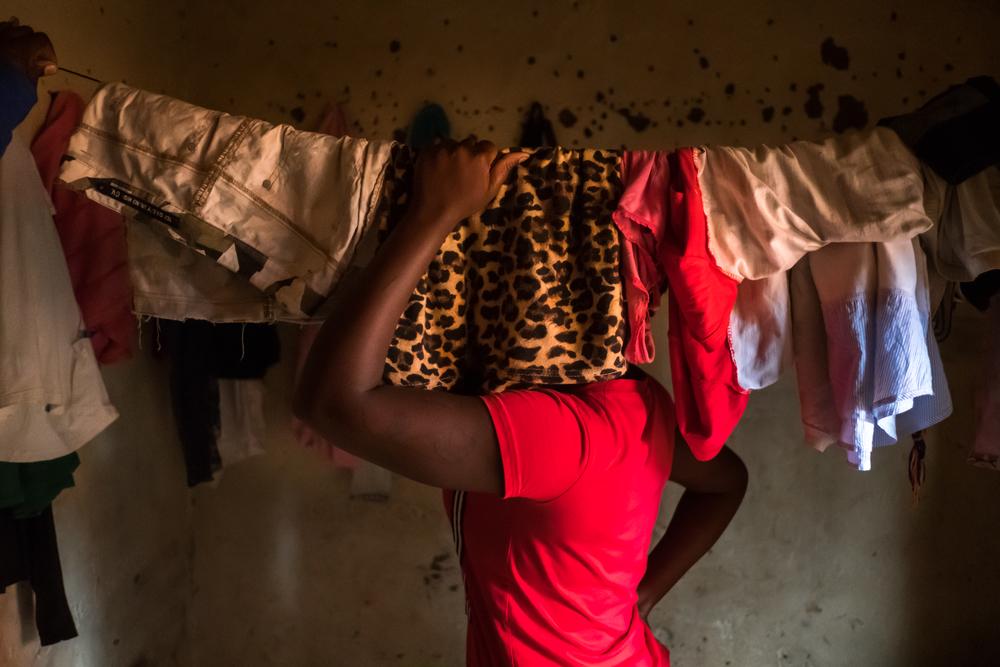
x=552, y=493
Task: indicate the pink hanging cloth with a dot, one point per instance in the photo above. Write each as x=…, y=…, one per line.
x=665, y=243
x=92, y=237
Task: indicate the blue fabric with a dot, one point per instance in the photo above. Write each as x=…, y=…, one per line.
x=17, y=96
x=429, y=124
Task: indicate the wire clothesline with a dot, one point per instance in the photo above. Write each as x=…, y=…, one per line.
x=82, y=76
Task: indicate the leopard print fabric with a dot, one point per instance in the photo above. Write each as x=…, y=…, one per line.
x=526, y=293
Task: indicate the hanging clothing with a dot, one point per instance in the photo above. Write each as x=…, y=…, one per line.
x=92, y=237
x=29, y=552
x=282, y=208
x=767, y=207
x=965, y=241
x=551, y=567
x=665, y=242
x=980, y=292
x=707, y=395
x=200, y=354
x=986, y=444
x=194, y=394
x=527, y=292
x=18, y=95
x=173, y=282
x=430, y=124
x=760, y=331
x=956, y=133
x=52, y=397
x=868, y=365
x=242, y=429
x=641, y=218
x=26, y=489
x=537, y=131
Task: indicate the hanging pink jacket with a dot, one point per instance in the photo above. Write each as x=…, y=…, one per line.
x=665, y=241
x=92, y=237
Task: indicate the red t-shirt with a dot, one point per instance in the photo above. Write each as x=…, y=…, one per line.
x=551, y=569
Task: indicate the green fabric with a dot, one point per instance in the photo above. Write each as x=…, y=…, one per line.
x=26, y=489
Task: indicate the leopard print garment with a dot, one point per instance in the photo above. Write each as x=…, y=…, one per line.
x=526, y=293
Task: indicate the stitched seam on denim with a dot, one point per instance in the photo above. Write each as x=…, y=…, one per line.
x=143, y=149
x=220, y=163
x=277, y=215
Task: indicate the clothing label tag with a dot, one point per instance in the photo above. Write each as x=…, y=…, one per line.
x=110, y=189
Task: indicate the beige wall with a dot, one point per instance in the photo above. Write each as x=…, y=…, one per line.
x=823, y=566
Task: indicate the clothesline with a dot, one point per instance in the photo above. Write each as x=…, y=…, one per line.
x=82, y=76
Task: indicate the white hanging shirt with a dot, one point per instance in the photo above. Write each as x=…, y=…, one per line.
x=52, y=396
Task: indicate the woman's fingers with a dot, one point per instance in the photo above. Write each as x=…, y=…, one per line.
x=501, y=170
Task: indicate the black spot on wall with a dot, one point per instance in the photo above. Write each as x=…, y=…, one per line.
x=730, y=88
x=767, y=113
x=636, y=120
x=394, y=46
x=814, y=106
x=703, y=61
x=786, y=111
x=893, y=16
x=851, y=114
x=567, y=118
x=833, y=55
x=298, y=114
x=580, y=74
x=531, y=60
x=613, y=37
x=696, y=114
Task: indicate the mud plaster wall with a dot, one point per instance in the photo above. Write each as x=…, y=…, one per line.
x=823, y=565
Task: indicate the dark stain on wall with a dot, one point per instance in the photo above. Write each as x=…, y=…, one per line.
x=637, y=121
x=394, y=46
x=814, y=106
x=851, y=114
x=767, y=114
x=696, y=114
x=298, y=114
x=833, y=55
x=567, y=118
x=730, y=88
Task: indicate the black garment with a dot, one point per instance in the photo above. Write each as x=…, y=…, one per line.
x=29, y=552
x=200, y=353
x=243, y=352
x=957, y=133
x=980, y=291
x=537, y=130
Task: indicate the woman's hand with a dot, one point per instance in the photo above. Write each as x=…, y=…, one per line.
x=31, y=52
x=453, y=181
